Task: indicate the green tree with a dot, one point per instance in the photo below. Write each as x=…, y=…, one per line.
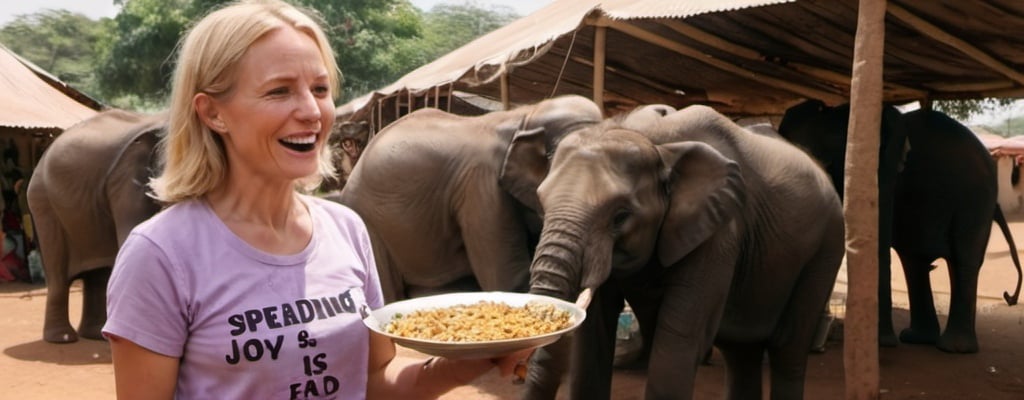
x=452, y=25
x=60, y=42
x=136, y=57
x=965, y=109
x=366, y=36
x=137, y=60
x=446, y=28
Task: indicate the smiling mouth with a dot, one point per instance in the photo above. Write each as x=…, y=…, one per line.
x=300, y=144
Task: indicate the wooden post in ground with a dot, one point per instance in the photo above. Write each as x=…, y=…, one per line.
x=860, y=347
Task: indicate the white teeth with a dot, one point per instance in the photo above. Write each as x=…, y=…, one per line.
x=300, y=139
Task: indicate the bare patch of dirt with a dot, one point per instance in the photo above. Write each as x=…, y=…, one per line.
x=34, y=369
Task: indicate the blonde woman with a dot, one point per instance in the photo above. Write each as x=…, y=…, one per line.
x=244, y=288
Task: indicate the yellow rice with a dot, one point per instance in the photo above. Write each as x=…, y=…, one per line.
x=480, y=322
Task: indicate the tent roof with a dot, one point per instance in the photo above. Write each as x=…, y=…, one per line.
x=30, y=98
x=743, y=57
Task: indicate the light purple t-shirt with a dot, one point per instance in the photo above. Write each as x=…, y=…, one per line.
x=248, y=324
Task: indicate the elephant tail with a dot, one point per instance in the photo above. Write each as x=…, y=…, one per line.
x=1001, y=220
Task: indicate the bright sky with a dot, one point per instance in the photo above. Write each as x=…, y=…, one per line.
x=105, y=8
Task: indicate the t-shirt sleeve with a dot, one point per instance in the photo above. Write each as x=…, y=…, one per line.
x=145, y=298
x=374, y=293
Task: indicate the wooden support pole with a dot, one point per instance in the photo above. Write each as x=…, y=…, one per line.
x=600, y=35
x=451, y=88
x=860, y=347
x=506, y=101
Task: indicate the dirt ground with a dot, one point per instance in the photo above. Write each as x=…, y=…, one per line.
x=34, y=369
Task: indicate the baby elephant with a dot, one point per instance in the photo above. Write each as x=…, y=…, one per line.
x=714, y=234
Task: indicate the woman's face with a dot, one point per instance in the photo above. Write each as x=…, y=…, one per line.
x=278, y=114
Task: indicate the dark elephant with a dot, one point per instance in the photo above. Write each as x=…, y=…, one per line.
x=937, y=199
x=86, y=194
x=427, y=187
x=714, y=235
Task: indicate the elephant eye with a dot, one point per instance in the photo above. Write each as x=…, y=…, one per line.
x=620, y=219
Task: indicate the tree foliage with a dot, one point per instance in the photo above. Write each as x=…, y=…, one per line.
x=60, y=42
x=446, y=28
x=365, y=35
x=136, y=62
x=127, y=61
x=965, y=109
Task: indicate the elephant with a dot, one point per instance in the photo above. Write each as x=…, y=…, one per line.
x=348, y=141
x=86, y=194
x=427, y=188
x=714, y=235
x=937, y=199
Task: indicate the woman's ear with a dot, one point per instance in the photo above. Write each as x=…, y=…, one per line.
x=206, y=108
x=706, y=191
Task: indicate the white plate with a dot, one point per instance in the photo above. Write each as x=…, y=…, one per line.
x=377, y=319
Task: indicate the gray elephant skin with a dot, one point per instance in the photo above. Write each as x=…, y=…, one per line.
x=937, y=199
x=439, y=220
x=714, y=234
x=86, y=194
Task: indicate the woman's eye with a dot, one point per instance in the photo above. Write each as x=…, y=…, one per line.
x=321, y=90
x=278, y=91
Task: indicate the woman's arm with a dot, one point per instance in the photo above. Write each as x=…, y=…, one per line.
x=425, y=379
x=140, y=373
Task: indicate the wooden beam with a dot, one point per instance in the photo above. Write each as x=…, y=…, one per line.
x=825, y=75
x=860, y=337
x=942, y=36
x=970, y=87
x=653, y=38
x=600, y=34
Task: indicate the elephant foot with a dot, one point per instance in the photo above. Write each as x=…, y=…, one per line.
x=91, y=331
x=962, y=343
x=60, y=335
x=887, y=339
x=919, y=336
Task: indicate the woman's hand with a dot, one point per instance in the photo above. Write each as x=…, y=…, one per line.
x=514, y=364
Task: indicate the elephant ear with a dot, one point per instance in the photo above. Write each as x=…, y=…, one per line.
x=706, y=191
x=525, y=166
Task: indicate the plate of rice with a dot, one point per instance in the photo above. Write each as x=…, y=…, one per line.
x=475, y=324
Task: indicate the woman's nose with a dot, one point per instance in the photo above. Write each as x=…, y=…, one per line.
x=308, y=108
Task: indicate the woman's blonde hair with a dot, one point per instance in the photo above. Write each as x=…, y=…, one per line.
x=193, y=157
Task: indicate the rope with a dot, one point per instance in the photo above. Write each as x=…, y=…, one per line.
x=561, y=71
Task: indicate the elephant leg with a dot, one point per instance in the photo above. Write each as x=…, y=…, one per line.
x=742, y=369
x=691, y=312
x=94, y=303
x=547, y=366
x=57, y=326
x=886, y=331
x=593, y=353
x=959, y=335
x=924, y=323
x=53, y=251
x=794, y=333
x=887, y=170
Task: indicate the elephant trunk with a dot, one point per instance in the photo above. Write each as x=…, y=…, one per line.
x=558, y=260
